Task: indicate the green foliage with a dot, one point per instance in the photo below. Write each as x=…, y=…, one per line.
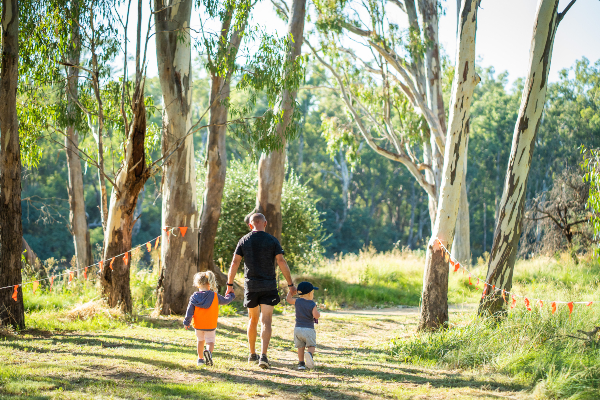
x=591, y=166
x=302, y=234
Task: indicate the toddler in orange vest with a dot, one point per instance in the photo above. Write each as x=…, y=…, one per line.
x=203, y=312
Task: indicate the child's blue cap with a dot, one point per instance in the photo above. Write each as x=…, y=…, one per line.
x=306, y=288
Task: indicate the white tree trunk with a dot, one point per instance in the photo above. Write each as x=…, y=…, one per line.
x=508, y=226
x=461, y=247
x=179, y=255
x=434, y=311
x=271, y=167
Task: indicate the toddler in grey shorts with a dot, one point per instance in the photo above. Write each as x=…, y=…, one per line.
x=307, y=314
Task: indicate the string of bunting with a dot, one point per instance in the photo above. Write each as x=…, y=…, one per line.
x=513, y=296
x=100, y=264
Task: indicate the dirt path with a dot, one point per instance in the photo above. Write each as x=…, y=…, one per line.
x=158, y=361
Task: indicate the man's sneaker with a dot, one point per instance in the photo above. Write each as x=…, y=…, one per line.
x=310, y=362
x=301, y=366
x=208, y=357
x=200, y=362
x=252, y=358
x=264, y=362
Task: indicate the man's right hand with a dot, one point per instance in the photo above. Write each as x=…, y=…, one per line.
x=229, y=290
x=293, y=290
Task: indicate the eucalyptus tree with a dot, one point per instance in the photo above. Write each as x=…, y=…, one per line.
x=271, y=167
x=510, y=216
x=11, y=230
x=402, y=73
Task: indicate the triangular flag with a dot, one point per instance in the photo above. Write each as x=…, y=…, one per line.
x=514, y=302
x=111, y=263
x=100, y=264
x=51, y=282
x=503, y=295
x=570, y=304
x=446, y=256
x=35, y=286
x=553, y=307
x=85, y=273
x=527, y=304
x=157, y=241
x=484, y=290
x=456, y=267
x=493, y=289
x=70, y=276
x=126, y=258
x=183, y=230
x=15, y=293
x=541, y=303
x=470, y=283
x=149, y=247
x=477, y=284
x=589, y=304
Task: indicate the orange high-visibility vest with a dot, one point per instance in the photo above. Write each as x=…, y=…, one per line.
x=206, y=318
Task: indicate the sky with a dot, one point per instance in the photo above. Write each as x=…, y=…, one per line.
x=504, y=30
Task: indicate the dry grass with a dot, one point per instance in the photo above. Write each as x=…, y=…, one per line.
x=90, y=310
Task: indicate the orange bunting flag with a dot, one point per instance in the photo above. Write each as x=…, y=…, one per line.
x=70, y=276
x=85, y=273
x=157, y=241
x=51, y=282
x=35, y=286
x=570, y=304
x=446, y=257
x=553, y=307
x=503, y=295
x=111, y=263
x=183, y=230
x=456, y=267
x=494, y=289
x=15, y=293
x=541, y=303
x=589, y=304
x=149, y=247
x=527, y=304
x=470, y=283
x=514, y=302
x=485, y=285
x=126, y=258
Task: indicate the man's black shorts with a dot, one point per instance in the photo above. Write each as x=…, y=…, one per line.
x=269, y=298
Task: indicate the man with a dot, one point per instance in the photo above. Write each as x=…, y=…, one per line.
x=260, y=252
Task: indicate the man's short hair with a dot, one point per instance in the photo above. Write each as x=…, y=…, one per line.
x=257, y=217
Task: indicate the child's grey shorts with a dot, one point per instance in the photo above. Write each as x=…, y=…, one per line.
x=305, y=337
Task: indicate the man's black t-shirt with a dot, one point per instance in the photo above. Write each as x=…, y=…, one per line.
x=259, y=250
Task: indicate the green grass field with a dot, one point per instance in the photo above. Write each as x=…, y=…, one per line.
x=75, y=347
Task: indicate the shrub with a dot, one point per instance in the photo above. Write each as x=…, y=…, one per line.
x=302, y=232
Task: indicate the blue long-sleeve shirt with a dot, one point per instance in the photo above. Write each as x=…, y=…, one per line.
x=204, y=299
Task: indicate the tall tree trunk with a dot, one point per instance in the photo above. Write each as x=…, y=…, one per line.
x=484, y=211
x=77, y=217
x=461, y=247
x=11, y=230
x=130, y=180
x=508, y=227
x=271, y=167
x=434, y=310
x=216, y=152
x=413, y=205
x=179, y=256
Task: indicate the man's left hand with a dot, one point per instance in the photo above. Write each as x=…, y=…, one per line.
x=293, y=290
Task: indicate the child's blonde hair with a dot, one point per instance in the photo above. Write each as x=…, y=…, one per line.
x=206, y=278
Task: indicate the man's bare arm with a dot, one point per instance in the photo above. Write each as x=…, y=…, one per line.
x=285, y=270
x=235, y=264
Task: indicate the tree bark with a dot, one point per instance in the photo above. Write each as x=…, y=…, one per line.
x=179, y=256
x=509, y=224
x=216, y=152
x=461, y=247
x=11, y=230
x=434, y=310
x=77, y=217
x=271, y=167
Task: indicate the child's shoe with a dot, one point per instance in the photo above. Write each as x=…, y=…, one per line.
x=310, y=362
x=200, y=362
x=301, y=366
x=208, y=357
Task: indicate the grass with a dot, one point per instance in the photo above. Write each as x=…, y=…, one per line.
x=531, y=346
x=76, y=347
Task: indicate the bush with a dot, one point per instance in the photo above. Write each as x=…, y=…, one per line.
x=302, y=233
